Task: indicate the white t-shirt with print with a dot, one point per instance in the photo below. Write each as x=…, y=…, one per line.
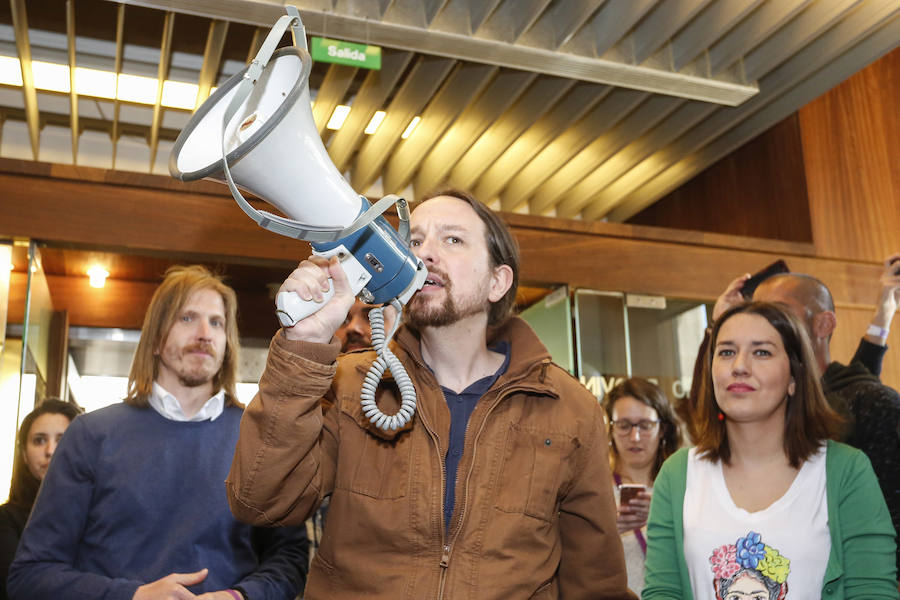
x=751, y=555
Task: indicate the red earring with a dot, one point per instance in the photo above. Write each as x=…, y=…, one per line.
x=721, y=416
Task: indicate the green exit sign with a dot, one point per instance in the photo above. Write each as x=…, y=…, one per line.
x=346, y=53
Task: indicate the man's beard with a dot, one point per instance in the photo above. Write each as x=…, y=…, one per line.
x=198, y=376
x=420, y=315
x=355, y=341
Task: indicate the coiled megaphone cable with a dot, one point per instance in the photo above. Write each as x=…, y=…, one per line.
x=387, y=360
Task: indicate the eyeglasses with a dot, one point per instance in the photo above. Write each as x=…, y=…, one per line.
x=621, y=427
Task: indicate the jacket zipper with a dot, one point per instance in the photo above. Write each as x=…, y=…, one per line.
x=447, y=545
x=456, y=526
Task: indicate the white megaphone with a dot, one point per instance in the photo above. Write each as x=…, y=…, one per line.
x=257, y=132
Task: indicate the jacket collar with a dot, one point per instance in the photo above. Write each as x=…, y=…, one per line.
x=527, y=370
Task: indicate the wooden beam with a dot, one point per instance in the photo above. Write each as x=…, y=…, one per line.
x=120, y=51
x=23, y=48
x=212, y=56
x=122, y=304
x=73, y=94
x=165, y=58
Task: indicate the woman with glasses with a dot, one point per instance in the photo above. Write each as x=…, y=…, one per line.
x=766, y=506
x=643, y=432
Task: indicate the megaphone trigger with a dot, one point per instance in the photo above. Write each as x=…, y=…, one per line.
x=291, y=308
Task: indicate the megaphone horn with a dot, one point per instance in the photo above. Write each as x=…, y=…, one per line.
x=257, y=132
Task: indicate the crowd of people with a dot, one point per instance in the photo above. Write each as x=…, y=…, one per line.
x=776, y=478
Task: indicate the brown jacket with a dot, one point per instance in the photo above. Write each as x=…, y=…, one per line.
x=534, y=515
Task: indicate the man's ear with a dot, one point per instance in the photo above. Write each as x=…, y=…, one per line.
x=824, y=324
x=501, y=280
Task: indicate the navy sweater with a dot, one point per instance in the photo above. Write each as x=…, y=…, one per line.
x=131, y=497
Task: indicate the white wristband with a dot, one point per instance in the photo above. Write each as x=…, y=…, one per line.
x=876, y=331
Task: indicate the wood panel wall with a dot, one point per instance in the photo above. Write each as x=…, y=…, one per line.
x=851, y=151
x=759, y=190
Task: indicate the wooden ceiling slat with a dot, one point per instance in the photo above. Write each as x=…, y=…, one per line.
x=614, y=19
x=165, y=59
x=499, y=95
x=709, y=26
x=334, y=87
x=375, y=90
x=661, y=24
x=511, y=19
x=796, y=34
x=752, y=31
x=559, y=23
x=543, y=94
x=675, y=125
x=120, y=52
x=23, y=47
x=602, y=117
x=557, y=190
x=581, y=99
x=212, y=57
x=415, y=13
x=465, y=83
x=424, y=79
x=73, y=93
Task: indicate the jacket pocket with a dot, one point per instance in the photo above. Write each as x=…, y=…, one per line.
x=531, y=472
x=375, y=467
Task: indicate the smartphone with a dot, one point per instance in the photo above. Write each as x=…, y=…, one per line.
x=629, y=491
x=779, y=266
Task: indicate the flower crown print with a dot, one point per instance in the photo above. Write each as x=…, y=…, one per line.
x=749, y=553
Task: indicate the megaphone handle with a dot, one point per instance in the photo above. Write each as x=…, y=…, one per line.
x=291, y=308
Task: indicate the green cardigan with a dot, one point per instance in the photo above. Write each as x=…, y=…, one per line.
x=861, y=563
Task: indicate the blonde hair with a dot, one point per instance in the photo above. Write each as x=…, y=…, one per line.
x=179, y=283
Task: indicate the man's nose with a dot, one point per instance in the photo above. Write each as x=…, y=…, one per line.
x=204, y=330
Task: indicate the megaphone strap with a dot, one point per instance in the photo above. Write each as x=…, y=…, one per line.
x=274, y=223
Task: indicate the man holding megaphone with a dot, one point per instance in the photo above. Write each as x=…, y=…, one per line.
x=496, y=488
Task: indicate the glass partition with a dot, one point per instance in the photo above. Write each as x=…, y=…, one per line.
x=551, y=319
x=624, y=335
x=601, y=339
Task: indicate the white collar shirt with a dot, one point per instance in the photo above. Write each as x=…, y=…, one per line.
x=168, y=406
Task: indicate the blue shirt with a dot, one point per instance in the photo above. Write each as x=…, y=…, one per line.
x=461, y=406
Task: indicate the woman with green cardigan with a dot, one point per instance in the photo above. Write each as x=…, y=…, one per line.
x=765, y=507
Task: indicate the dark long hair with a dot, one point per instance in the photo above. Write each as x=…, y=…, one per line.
x=23, y=487
x=809, y=420
x=646, y=392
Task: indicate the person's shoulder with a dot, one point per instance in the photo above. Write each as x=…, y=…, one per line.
x=567, y=386
x=842, y=458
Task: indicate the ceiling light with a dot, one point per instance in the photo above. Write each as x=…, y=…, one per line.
x=93, y=82
x=97, y=275
x=410, y=128
x=50, y=76
x=338, y=116
x=376, y=120
x=137, y=88
x=10, y=71
x=178, y=94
